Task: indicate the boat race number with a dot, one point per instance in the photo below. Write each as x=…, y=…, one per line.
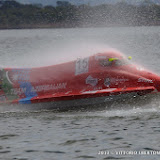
x=81, y=66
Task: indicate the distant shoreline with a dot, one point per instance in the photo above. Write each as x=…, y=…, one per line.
x=14, y=15
x=70, y=27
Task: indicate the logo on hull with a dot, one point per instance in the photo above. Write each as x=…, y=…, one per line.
x=92, y=81
x=145, y=80
x=107, y=82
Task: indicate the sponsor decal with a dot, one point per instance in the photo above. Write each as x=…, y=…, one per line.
x=29, y=90
x=18, y=91
x=121, y=80
x=26, y=88
x=107, y=82
x=49, y=87
x=6, y=85
x=8, y=78
x=21, y=75
x=2, y=98
x=145, y=80
x=81, y=66
x=92, y=81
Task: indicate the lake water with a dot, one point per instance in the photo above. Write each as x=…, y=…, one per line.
x=130, y=130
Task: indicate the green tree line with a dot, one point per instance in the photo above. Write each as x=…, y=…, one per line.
x=16, y=15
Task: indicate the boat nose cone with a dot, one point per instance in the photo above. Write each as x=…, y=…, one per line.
x=157, y=83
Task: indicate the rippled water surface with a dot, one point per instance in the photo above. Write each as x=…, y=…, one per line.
x=97, y=133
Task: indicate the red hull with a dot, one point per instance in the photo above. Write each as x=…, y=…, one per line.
x=100, y=75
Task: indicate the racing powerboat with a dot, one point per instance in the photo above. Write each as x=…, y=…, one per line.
x=95, y=79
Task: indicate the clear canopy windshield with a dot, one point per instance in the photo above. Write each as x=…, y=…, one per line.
x=115, y=62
